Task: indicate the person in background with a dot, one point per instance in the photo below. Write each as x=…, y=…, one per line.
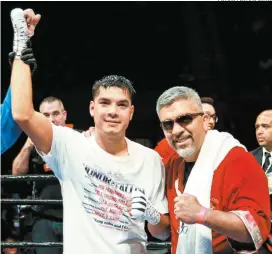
x=263, y=155
x=48, y=220
x=208, y=108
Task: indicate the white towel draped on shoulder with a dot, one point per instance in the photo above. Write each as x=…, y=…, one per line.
x=198, y=239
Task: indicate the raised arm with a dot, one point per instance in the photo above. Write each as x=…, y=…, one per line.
x=33, y=123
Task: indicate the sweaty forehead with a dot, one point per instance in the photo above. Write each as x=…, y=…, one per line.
x=113, y=93
x=178, y=108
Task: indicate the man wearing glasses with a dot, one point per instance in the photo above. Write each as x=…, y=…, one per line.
x=167, y=152
x=217, y=194
x=208, y=108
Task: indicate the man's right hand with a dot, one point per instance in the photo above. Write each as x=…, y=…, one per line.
x=29, y=144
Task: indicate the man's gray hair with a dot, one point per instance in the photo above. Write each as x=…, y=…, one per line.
x=176, y=93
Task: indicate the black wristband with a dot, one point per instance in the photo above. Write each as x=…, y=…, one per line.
x=27, y=57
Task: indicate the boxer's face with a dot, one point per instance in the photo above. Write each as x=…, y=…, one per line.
x=55, y=112
x=186, y=138
x=112, y=111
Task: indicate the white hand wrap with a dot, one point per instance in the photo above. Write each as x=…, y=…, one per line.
x=20, y=31
x=143, y=209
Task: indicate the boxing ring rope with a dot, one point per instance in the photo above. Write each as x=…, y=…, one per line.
x=27, y=177
x=151, y=245
x=8, y=178
x=31, y=201
x=30, y=244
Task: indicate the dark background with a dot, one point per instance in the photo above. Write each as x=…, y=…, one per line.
x=218, y=48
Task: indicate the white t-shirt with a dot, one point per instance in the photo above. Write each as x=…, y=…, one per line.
x=95, y=186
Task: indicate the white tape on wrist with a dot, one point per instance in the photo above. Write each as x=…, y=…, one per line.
x=143, y=209
x=20, y=31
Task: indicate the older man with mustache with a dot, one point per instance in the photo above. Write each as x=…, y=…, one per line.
x=217, y=193
x=167, y=152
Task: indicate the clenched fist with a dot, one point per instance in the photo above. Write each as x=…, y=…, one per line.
x=187, y=208
x=32, y=21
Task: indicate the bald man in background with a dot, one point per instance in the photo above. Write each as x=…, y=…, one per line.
x=263, y=127
x=263, y=155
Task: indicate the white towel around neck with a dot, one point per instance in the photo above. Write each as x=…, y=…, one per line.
x=198, y=239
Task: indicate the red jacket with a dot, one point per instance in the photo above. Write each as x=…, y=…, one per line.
x=238, y=184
